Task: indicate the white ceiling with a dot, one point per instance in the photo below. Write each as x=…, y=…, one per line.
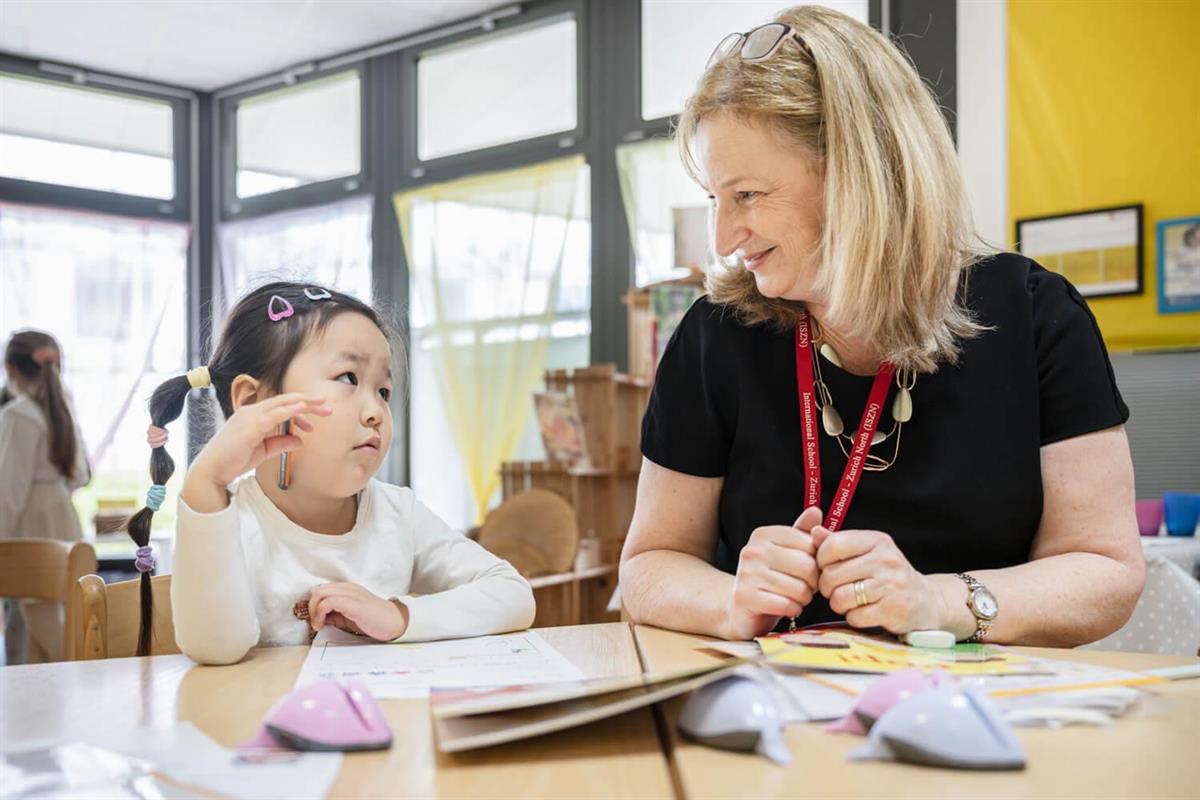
x=209, y=44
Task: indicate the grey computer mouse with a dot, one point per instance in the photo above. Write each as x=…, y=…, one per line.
x=947, y=726
x=736, y=713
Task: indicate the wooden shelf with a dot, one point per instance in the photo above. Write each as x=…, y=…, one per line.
x=574, y=598
x=544, y=581
x=611, y=406
x=643, y=330
x=593, y=472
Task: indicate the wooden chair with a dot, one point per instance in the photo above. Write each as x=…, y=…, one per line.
x=538, y=533
x=109, y=616
x=46, y=569
x=535, y=531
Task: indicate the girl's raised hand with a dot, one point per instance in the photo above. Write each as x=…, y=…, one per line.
x=251, y=436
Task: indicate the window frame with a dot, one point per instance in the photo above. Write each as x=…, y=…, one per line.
x=191, y=148
x=524, y=151
x=318, y=193
x=181, y=103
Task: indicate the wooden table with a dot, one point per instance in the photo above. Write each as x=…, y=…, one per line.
x=621, y=757
x=1152, y=753
x=1155, y=752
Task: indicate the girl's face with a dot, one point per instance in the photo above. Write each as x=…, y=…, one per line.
x=767, y=203
x=349, y=363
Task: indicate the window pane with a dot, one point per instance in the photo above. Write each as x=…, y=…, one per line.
x=55, y=133
x=111, y=290
x=502, y=88
x=506, y=267
x=329, y=244
x=299, y=135
x=668, y=213
x=678, y=36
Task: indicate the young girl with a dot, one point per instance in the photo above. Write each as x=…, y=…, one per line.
x=257, y=563
x=42, y=461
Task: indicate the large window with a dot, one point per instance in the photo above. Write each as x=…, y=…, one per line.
x=299, y=135
x=509, y=86
x=111, y=290
x=55, y=133
x=678, y=37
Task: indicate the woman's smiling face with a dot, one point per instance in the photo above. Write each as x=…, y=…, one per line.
x=768, y=201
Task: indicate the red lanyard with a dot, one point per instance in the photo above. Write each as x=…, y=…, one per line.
x=808, y=430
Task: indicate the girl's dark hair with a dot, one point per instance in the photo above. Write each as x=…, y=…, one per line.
x=250, y=344
x=37, y=358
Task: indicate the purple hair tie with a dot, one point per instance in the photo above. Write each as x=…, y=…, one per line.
x=145, y=560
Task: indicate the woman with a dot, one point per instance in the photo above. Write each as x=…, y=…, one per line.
x=42, y=461
x=992, y=494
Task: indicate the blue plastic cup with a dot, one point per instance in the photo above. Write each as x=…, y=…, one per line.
x=1181, y=511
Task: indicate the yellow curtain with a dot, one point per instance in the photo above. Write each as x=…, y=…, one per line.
x=485, y=256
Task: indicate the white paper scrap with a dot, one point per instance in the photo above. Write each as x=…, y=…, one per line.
x=190, y=760
x=187, y=755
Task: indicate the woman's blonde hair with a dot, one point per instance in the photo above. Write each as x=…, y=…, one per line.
x=897, y=225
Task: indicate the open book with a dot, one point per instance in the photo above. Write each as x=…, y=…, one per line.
x=469, y=719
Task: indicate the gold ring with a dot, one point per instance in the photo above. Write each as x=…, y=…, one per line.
x=860, y=593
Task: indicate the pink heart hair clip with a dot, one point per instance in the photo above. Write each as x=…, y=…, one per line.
x=285, y=307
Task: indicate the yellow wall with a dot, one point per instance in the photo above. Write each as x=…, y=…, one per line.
x=1104, y=110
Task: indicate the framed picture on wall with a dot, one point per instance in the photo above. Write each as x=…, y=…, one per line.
x=1098, y=250
x=1178, y=264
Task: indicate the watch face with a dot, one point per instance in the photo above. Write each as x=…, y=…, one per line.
x=984, y=603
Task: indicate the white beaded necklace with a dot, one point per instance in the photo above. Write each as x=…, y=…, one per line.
x=831, y=420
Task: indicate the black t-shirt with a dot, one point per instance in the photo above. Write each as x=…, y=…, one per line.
x=965, y=492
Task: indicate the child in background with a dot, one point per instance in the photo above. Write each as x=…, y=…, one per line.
x=42, y=461
x=363, y=555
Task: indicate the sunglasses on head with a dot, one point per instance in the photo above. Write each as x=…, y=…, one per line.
x=758, y=44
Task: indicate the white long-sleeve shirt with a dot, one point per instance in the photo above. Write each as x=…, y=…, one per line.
x=239, y=572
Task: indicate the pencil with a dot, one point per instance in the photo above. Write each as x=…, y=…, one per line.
x=285, y=463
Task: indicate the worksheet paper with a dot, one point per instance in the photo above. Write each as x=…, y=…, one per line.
x=408, y=670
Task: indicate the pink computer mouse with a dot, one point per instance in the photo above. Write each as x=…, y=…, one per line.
x=325, y=716
x=945, y=726
x=885, y=693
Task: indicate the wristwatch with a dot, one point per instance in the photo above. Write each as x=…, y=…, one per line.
x=982, y=604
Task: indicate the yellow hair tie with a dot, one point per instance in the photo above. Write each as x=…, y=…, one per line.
x=199, y=378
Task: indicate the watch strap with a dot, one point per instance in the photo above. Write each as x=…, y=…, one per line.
x=982, y=626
